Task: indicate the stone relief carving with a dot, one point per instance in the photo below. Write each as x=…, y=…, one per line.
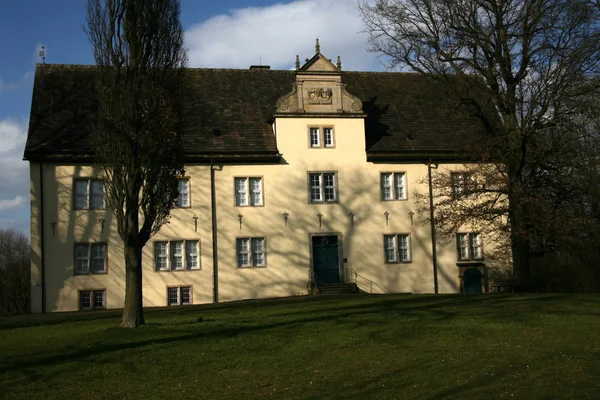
x=284, y=101
x=356, y=102
x=319, y=96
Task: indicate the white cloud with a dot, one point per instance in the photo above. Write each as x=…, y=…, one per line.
x=14, y=172
x=12, y=135
x=6, y=205
x=273, y=35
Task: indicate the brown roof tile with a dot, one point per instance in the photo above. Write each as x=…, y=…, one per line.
x=229, y=114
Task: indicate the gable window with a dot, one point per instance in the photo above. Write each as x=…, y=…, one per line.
x=396, y=248
x=176, y=255
x=462, y=185
x=393, y=186
x=248, y=191
x=251, y=252
x=315, y=137
x=469, y=246
x=92, y=299
x=89, y=194
x=179, y=295
x=183, y=196
x=90, y=258
x=322, y=187
x=321, y=137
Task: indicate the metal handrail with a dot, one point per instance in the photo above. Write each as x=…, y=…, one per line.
x=352, y=277
x=312, y=279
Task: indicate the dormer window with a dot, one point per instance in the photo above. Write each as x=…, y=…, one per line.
x=321, y=137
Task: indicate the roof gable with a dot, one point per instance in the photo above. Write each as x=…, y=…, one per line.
x=318, y=63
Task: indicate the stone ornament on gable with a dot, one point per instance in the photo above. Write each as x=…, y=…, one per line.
x=319, y=96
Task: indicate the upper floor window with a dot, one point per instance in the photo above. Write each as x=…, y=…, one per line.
x=176, y=255
x=248, y=191
x=323, y=187
x=393, y=186
x=183, y=196
x=251, y=252
x=90, y=258
x=462, y=185
x=469, y=246
x=397, y=248
x=321, y=137
x=89, y=194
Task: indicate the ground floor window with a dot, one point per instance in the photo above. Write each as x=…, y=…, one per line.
x=90, y=258
x=92, y=299
x=179, y=295
x=251, y=252
x=176, y=255
x=469, y=246
x=396, y=248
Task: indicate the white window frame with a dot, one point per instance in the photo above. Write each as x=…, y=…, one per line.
x=179, y=291
x=469, y=243
x=92, y=299
x=399, y=257
x=314, y=137
x=320, y=137
x=463, y=185
x=177, y=250
x=91, y=199
x=189, y=255
x=248, y=195
x=183, y=193
x=392, y=186
x=89, y=255
x=256, y=257
x=321, y=187
x=328, y=141
x=170, y=260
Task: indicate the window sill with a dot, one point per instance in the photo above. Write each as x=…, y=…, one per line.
x=470, y=263
x=89, y=273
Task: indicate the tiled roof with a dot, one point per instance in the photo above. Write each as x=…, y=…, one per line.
x=229, y=114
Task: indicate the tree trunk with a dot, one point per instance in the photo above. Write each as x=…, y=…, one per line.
x=133, y=312
x=518, y=234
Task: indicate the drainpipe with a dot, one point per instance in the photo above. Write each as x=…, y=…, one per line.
x=42, y=268
x=213, y=205
x=432, y=223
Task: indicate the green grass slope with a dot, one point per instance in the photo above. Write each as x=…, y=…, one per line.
x=357, y=347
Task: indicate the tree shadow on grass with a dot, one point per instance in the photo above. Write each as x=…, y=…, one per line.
x=427, y=308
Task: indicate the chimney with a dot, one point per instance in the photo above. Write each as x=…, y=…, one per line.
x=264, y=67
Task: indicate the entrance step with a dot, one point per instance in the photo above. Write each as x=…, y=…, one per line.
x=338, y=288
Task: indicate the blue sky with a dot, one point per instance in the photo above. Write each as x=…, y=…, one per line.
x=219, y=34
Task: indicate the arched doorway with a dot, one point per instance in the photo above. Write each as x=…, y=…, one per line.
x=472, y=281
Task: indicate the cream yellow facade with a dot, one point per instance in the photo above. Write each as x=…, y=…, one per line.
x=287, y=219
x=288, y=246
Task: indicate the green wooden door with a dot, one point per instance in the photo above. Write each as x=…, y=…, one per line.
x=472, y=281
x=325, y=260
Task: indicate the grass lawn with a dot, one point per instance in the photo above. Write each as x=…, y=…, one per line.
x=359, y=347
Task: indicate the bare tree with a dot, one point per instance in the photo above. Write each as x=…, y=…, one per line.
x=138, y=48
x=523, y=67
x=15, y=288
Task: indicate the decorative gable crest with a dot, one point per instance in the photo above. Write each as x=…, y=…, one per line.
x=319, y=89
